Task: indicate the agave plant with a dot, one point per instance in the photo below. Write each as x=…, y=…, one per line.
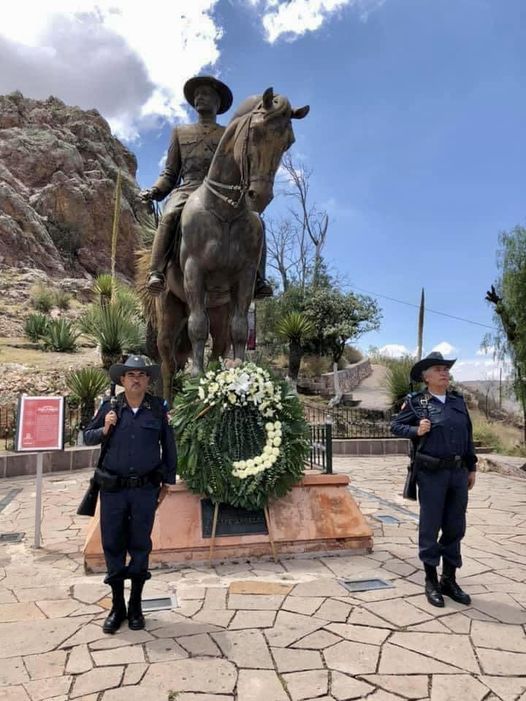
x=35, y=326
x=61, y=336
x=115, y=329
x=296, y=328
x=85, y=386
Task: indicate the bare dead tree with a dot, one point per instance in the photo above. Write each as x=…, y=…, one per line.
x=295, y=243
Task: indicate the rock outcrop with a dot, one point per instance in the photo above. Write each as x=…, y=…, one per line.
x=58, y=170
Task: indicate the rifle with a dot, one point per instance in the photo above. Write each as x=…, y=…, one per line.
x=88, y=503
x=410, y=491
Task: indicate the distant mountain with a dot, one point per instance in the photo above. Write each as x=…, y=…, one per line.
x=490, y=389
x=58, y=169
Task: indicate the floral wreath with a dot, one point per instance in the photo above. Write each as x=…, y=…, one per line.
x=241, y=435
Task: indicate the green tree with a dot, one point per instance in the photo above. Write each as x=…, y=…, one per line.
x=508, y=296
x=338, y=317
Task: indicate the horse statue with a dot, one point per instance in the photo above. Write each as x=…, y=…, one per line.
x=211, y=275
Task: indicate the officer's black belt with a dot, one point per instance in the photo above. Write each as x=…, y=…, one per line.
x=450, y=461
x=108, y=481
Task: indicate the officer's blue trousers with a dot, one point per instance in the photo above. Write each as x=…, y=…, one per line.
x=443, y=497
x=126, y=522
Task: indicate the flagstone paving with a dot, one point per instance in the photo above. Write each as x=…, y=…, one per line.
x=266, y=631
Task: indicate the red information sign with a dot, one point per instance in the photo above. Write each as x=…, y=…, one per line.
x=40, y=424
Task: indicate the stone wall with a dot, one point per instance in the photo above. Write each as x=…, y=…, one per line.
x=349, y=378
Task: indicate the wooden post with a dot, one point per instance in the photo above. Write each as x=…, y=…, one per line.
x=269, y=529
x=214, y=528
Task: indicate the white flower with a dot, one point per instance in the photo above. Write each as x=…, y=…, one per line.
x=250, y=463
x=201, y=393
x=277, y=441
x=277, y=425
x=269, y=426
x=231, y=398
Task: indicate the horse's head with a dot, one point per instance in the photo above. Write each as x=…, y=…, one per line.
x=263, y=135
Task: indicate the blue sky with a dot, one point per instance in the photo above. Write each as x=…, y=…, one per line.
x=415, y=138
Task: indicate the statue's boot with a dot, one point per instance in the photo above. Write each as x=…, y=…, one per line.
x=449, y=586
x=117, y=615
x=432, y=589
x=156, y=283
x=262, y=288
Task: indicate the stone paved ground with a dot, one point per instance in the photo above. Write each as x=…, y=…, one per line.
x=263, y=631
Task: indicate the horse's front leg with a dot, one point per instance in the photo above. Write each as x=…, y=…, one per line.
x=194, y=287
x=242, y=300
x=171, y=320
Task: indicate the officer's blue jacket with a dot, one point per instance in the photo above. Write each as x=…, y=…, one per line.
x=451, y=430
x=136, y=440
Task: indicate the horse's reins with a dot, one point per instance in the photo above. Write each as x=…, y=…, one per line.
x=244, y=184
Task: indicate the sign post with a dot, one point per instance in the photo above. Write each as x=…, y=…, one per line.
x=39, y=429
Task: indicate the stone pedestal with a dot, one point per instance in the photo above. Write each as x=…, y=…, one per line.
x=317, y=515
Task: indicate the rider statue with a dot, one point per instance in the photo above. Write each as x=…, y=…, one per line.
x=190, y=154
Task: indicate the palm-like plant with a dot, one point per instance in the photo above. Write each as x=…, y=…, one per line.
x=35, y=326
x=296, y=329
x=86, y=385
x=115, y=329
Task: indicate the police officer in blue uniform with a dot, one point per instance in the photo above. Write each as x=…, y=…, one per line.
x=139, y=457
x=438, y=423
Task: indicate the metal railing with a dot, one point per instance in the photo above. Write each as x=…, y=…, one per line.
x=8, y=425
x=320, y=457
x=348, y=422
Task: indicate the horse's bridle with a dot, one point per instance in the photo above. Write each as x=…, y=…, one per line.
x=244, y=183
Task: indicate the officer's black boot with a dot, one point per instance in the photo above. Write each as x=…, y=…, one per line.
x=135, y=616
x=449, y=586
x=433, y=594
x=263, y=288
x=118, y=609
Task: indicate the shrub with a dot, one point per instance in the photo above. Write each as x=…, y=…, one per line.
x=35, y=327
x=486, y=434
x=102, y=287
x=62, y=299
x=85, y=386
x=352, y=355
x=42, y=298
x=61, y=336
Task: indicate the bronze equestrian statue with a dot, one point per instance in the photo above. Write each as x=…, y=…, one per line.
x=210, y=277
x=192, y=147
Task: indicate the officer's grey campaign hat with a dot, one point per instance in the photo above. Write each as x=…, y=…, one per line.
x=134, y=362
x=434, y=358
x=224, y=92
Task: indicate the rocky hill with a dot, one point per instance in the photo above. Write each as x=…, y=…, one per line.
x=58, y=169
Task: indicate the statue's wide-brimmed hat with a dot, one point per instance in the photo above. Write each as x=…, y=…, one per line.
x=134, y=362
x=224, y=92
x=434, y=358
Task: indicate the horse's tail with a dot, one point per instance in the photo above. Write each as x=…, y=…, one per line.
x=142, y=269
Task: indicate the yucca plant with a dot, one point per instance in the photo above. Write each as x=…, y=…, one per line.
x=397, y=379
x=85, y=386
x=295, y=328
x=115, y=329
x=102, y=288
x=60, y=336
x=35, y=326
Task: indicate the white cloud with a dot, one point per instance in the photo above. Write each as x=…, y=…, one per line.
x=445, y=348
x=290, y=19
x=475, y=369
x=128, y=61
x=394, y=350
